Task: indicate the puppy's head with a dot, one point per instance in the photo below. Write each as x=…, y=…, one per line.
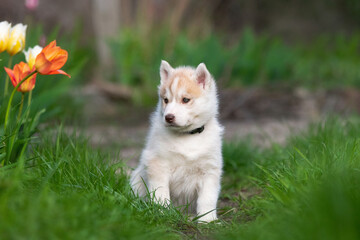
x=187, y=97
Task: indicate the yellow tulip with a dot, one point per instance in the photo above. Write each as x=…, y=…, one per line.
x=31, y=54
x=17, y=39
x=4, y=35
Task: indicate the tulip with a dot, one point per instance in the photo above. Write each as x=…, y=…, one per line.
x=51, y=59
x=4, y=35
x=31, y=54
x=21, y=71
x=23, y=78
x=31, y=4
x=17, y=39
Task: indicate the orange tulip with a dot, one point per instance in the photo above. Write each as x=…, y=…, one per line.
x=21, y=70
x=51, y=59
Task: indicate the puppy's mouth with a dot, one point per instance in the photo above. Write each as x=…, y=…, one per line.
x=172, y=125
x=176, y=127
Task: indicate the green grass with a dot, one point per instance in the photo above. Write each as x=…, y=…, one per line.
x=250, y=60
x=72, y=192
x=309, y=189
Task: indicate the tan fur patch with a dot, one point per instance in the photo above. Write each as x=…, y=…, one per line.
x=184, y=81
x=192, y=88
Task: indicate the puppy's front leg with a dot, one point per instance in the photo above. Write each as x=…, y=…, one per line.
x=207, y=197
x=158, y=177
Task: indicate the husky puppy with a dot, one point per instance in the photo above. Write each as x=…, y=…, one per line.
x=182, y=161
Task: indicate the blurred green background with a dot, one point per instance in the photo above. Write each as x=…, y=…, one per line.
x=288, y=74
x=312, y=44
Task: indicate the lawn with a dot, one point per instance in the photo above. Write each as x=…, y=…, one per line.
x=308, y=189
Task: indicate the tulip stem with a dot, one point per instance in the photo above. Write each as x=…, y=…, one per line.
x=29, y=99
x=7, y=77
x=11, y=98
x=21, y=106
x=28, y=104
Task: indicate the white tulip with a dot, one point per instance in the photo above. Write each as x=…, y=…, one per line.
x=31, y=54
x=17, y=39
x=4, y=35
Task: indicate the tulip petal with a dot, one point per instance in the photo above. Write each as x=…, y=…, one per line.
x=52, y=53
x=43, y=66
x=17, y=74
x=28, y=85
x=11, y=75
x=59, y=61
x=59, y=72
x=51, y=44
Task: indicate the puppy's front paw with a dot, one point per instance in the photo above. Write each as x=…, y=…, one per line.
x=163, y=202
x=210, y=217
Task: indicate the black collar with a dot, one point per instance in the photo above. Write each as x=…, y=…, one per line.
x=197, y=130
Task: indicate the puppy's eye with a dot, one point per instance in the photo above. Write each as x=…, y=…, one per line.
x=185, y=100
x=166, y=100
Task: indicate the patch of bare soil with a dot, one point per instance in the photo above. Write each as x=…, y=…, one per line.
x=266, y=115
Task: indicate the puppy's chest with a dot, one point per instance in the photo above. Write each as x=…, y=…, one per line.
x=186, y=174
x=188, y=149
x=190, y=161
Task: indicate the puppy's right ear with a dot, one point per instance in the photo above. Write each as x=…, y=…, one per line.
x=165, y=71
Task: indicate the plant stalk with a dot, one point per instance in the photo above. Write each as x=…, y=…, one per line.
x=29, y=98
x=7, y=77
x=21, y=106
x=28, y=104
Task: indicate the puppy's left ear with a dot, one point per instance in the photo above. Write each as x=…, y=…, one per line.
x=203, y=76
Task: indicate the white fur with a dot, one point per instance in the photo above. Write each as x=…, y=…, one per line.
x=180, y=167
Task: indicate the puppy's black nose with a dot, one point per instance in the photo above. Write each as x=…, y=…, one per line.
x=170, y=118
